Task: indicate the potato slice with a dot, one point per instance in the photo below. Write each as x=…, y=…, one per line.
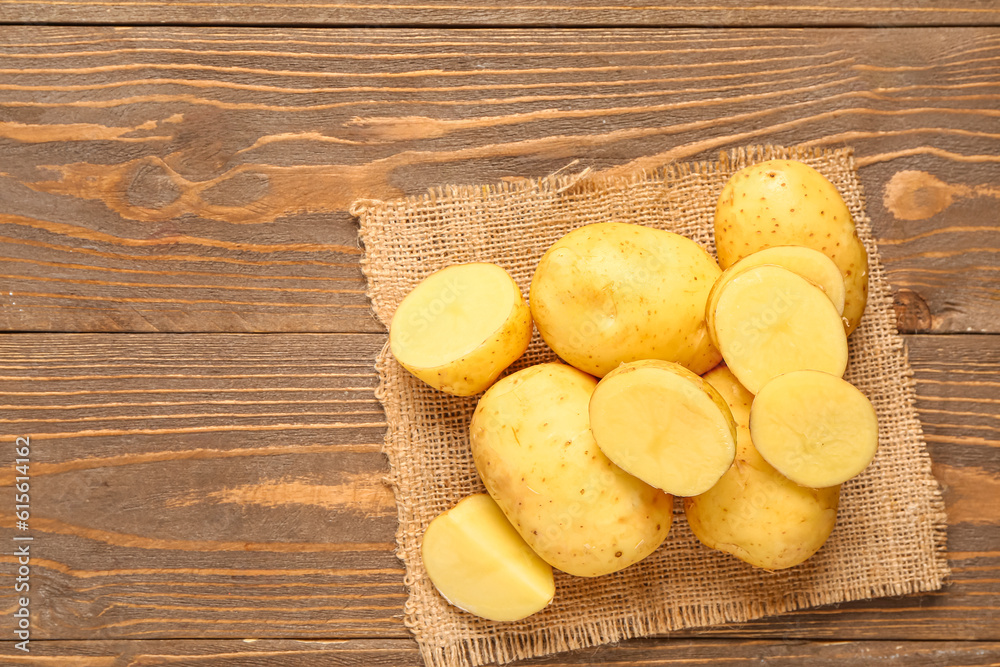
x=769, y=321
x=817, y=429
x=787, y=202
x=811, y=264
x=665, y=425
x=461, y=327
x=754, y=512
x=479, y=563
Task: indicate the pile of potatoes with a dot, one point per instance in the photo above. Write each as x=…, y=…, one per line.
x=717, y=382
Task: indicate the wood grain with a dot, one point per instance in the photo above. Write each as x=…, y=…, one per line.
x=230, y=486
x=404, y=653
x=192, y=484
x=197, y=179
x=720, y=13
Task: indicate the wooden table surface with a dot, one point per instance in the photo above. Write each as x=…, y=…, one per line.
x=188, y=345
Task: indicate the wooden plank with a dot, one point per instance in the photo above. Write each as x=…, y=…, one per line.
x=231, y=486
x=404, y=653
x=184, y=179
x=193, y=485
x=721, y=13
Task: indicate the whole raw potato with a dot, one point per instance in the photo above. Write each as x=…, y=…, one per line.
x=754, y=512
x=534, y=450
x=785, y=202
x=610, y=293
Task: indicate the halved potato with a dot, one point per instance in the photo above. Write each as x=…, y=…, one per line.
x=816, y=429
x=754, y=512
x=768, y=321
x=479, y=563
x=665, y=425
x=461, y=327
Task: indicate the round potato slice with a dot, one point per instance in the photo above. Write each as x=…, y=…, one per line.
x=787, y=202
x=816, y=429
x=754, y=512
x=461, y=327
x=479, y=563
x=609, y=293
x=811, y=264
x=665, y=425
x=768, y=321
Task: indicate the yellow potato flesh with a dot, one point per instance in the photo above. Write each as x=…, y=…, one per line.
x=535, y=452
x=815, y=428
x=461, y=327
x=770, y=321
x=754, y=512
x=785, y=202
x=479, y=563
x=665, y=425
x=609, y=293
x=811, y=264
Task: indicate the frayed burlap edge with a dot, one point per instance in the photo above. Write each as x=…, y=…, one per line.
x=486, y=643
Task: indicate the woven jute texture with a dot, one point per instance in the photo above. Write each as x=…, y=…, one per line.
x=890, y=534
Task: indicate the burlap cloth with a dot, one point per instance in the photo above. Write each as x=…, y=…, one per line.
x=890, y=534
